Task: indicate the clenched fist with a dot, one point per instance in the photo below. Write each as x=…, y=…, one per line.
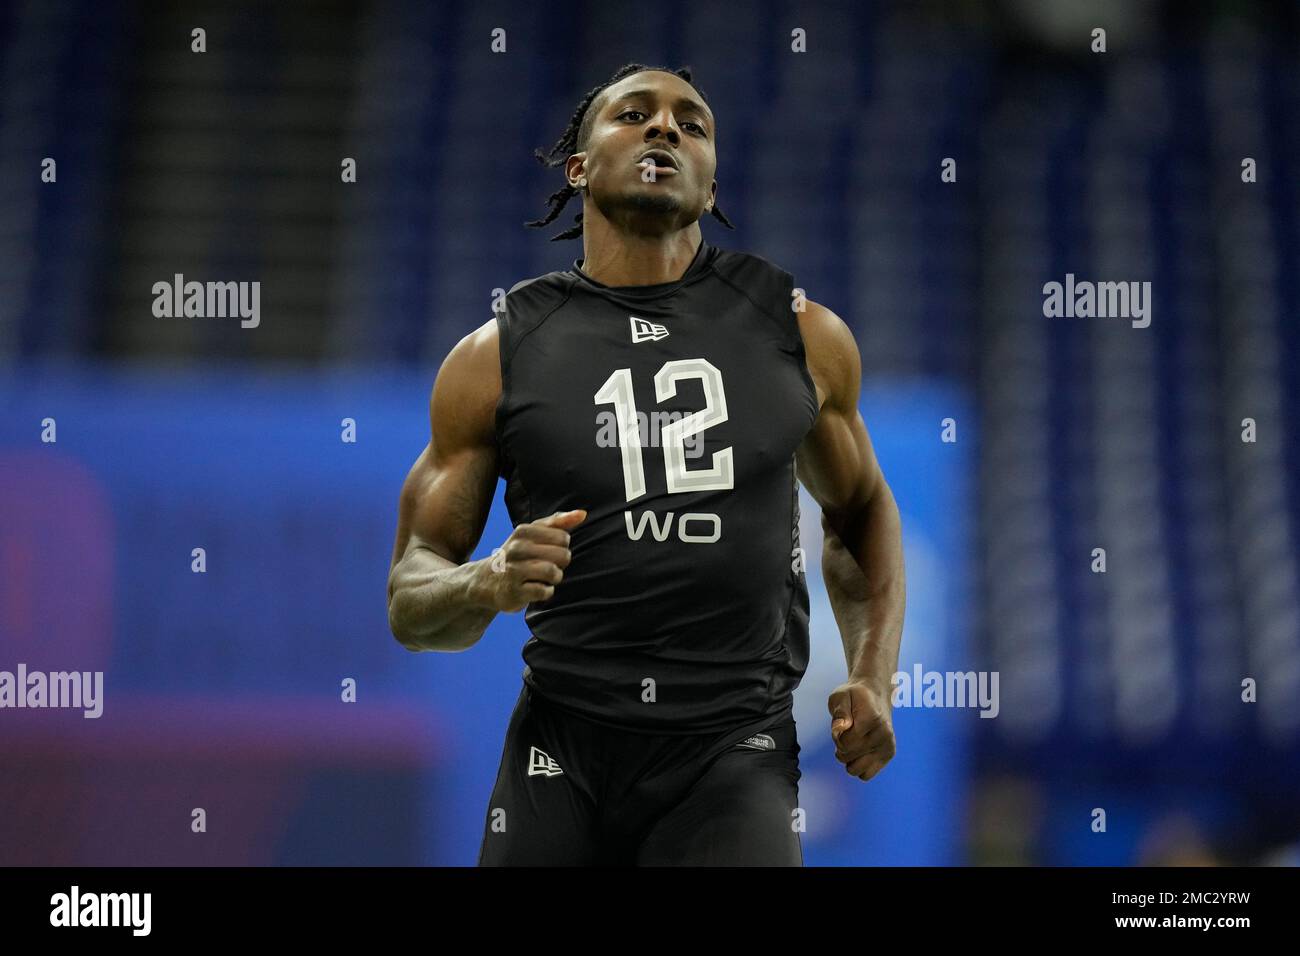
x=862, y=726
x=531, y=562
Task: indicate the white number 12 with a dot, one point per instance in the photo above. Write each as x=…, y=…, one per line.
x=618, y=391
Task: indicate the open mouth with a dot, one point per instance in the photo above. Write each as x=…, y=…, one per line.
x=662, y=161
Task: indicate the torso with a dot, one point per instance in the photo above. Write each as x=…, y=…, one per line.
x=686, y=583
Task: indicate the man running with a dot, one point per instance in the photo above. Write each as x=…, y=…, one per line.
x=659, y=564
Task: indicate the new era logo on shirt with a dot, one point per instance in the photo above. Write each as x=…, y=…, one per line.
x=643, y=330
x=539, y=762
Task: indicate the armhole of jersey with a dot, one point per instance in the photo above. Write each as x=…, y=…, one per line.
x=796, y=343
x=503, y=351
x=781, y=312
x=516, y=493
x=510, y=335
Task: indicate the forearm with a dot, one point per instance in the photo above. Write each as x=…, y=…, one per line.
x=437, y=605
x=862, y=565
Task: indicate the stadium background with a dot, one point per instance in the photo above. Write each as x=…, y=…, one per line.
x=1119, y=691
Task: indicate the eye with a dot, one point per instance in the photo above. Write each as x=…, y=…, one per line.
x=696, y=126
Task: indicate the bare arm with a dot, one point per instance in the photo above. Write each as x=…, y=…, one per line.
x=862, y=557
x=437, y=601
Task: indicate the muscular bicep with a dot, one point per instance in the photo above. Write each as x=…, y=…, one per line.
x=448, y=492
x=836, y=461
x=445, y=501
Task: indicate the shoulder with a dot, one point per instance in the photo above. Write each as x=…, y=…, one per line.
x=462, y=405
x=832, y=354
x=830, y=350
x=526, y=305
x=746, y=268
x=547, y=282
x=769, y=287
x=468, y=385
x=532, y=295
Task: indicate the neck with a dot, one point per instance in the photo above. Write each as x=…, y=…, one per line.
x=616, y=258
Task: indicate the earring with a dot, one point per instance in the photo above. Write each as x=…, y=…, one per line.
x=582, y=181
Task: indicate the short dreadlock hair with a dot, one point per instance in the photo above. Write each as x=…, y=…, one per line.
x=574, y=140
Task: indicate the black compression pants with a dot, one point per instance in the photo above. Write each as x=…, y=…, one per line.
x=572, y=792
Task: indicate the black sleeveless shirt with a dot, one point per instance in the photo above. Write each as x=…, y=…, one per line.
x=671, y=413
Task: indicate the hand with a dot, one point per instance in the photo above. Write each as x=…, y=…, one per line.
x=531, y=562
x=862, y=726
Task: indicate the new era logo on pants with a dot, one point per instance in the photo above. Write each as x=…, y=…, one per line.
x=540, y=762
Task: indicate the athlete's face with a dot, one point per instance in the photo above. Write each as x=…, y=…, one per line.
x=651, y=110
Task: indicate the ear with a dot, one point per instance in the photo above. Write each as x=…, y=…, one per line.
x=574, y=167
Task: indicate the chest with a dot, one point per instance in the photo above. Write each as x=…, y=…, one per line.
x=626, y=402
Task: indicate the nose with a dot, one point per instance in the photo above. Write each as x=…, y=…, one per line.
x=663, y=123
